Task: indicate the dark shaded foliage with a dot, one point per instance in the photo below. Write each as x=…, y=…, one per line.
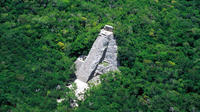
x=159, y=54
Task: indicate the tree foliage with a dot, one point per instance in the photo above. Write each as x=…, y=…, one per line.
x=158, y=50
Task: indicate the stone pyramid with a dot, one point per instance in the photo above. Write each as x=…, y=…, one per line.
x=101, y=59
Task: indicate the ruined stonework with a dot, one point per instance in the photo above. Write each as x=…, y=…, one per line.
x=101, y=58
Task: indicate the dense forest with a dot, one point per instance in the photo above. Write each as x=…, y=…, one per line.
x=158, y=51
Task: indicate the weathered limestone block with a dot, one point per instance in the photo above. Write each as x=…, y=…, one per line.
x=79, y=61
x=108, y=28
x=81, y=88
x=109, y=62
x=95, y=56
x=111, y=53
